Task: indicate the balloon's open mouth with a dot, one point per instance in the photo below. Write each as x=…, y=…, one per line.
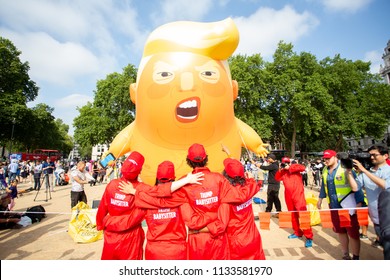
x=187, y=110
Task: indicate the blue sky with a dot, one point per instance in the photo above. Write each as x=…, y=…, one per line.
x=70, y=44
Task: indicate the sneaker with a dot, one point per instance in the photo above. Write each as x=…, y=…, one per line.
x=376, y=244
x=363, y=236
x=276, y=215
x=293, y=236
x=346, y=256
x=309, y=243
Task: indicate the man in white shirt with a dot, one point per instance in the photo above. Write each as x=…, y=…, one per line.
x=79, y=176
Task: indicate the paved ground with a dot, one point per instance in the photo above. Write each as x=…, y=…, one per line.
x=49, y=240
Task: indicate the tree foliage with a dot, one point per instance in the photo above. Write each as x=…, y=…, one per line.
x=110, y=112
x=25, y=128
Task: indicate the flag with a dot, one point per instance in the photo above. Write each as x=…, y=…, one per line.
x=326, y=220
x=285, y=220
x=362, y=215
x=345, y=218
x=265, y=219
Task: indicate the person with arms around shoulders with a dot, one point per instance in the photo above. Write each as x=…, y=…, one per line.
x=294, y=194
x=204, y=201
x=167, y=234
x=376, y=182
x=118, y=215
x=337, y=183
x=237, y=219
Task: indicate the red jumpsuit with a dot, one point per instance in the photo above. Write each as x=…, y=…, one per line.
x=294, y=195
x=123, y=238
x=199, y=207
x=166, y=235
x=207, y=198
x=243, y=236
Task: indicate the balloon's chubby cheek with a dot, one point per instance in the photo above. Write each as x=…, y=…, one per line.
x=187, y=110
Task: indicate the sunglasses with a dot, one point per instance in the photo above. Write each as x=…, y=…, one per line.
x=375, y=155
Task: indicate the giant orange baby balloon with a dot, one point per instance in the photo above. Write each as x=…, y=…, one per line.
x=184, y=94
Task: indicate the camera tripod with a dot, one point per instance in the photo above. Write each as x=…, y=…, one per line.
x=45, y=179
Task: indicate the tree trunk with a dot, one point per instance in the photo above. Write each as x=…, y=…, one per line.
x=293, y=140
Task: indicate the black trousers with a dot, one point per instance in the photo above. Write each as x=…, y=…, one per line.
x=76, y=197
x=273, y=198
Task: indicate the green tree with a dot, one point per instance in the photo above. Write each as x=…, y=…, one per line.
x=359, y=101
x=251, y=103
x=16, y=89
x=296, y=97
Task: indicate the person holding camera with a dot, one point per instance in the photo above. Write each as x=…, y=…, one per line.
x=273, y=185
x=338, y=182
x=294, y=194
x=375, y=181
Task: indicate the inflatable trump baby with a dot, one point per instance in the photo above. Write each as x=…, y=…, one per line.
x=184, y=94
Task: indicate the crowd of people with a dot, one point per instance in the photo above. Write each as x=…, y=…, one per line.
x=208, y=215
x=217, y=210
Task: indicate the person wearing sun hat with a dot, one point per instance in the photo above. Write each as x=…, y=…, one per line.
x=294, y=194
x=238, y=219
x=337, y=183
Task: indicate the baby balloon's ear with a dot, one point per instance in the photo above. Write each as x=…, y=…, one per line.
x=235, y=89
x=133, y=92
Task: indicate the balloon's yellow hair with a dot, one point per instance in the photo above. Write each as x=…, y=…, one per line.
x=217, y=40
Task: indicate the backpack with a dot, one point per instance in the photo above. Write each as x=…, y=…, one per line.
x=36, y=213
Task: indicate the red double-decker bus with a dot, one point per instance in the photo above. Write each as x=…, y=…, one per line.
x=39, y=155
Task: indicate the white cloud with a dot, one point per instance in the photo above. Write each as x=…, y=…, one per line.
x=53, y=61
x=67, y=39
x=73, y=101
x=375, y=57
x=350, y=6
x=261, y=32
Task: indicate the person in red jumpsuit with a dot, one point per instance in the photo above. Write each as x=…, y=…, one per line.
x=167, y=233
x=290, y=175
x=204, y=201
x=237, y=219
x=199, y=206
x=124, y=240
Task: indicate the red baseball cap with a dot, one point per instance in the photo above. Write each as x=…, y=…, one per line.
x=329, y=154
x=196, y=153
x=132, y=166
x=285, y=160
x=233, y=168
x=166, y=171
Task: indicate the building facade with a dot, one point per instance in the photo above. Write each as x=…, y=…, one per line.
x=98, y=150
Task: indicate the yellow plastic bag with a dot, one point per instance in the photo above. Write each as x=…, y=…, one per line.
x=82, y=225
x=311, y=204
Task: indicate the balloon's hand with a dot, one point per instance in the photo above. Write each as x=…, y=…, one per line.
x=262, y=150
